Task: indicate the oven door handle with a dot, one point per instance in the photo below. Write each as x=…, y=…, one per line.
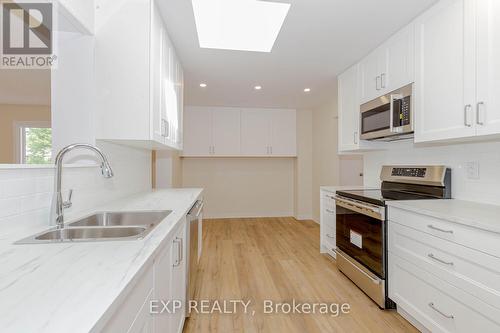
x=365, y=209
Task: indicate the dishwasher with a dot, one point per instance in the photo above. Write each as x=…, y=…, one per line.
x=194, y=218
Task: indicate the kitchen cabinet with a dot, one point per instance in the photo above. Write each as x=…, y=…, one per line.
x=389, y=67
x=349, y=114
x=139, y=79
x=328, y=223
x=212, y=132
x=162, y=280
x=488, y=67
x=445, y=72
x=443, y=275
x=458, y=71
x=268, y=132
x=220, y=132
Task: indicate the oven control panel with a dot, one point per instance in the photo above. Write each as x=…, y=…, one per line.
x=409, y=172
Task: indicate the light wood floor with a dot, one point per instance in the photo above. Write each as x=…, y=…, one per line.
x=279, y=259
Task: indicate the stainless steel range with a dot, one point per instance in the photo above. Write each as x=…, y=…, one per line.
x=362, y=223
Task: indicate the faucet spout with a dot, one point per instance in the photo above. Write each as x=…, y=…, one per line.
x=106, y=171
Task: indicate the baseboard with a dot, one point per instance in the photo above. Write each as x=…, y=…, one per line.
x=304, y=218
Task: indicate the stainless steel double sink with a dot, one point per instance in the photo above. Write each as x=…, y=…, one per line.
x=103, y=226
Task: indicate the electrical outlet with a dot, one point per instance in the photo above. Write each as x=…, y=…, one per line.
x=472, y=169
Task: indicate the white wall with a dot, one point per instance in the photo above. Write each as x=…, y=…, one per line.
x=485, y=189
x=26, y=192
x=304, y=166
x=242, y=187
x=351, y=170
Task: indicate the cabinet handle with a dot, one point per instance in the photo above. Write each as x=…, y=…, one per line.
x=382, y=80
x=356, y=138
x=430, y=255
x=177, y=261
x=480, y=113
x=467, y=108
x=330, y=211
x=181, y=250
x=330, y=236
x=433, y=307
x=377, y=79
x=430, y=226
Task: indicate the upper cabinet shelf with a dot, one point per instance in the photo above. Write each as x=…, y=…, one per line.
x=223, y=132
x=139, y=77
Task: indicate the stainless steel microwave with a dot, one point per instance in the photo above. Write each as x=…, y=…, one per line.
x=389, y=117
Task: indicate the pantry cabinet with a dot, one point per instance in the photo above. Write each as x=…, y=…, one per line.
x=219, y=132
x=389, y=67
x=139, y=79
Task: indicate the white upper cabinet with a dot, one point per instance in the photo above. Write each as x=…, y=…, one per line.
x=223, y=132
x=488, y=67
x=348, y=110
x=226, y=132
x=283, y=133
x=444, y=90
x=389, y=67
x=458, y=71
x=138, y=77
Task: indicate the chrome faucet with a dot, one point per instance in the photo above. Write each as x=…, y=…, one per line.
x=106, y=170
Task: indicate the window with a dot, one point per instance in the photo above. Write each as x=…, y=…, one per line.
x=33, y=143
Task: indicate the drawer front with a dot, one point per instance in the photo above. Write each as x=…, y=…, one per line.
x=327, y=200
x=329, y=237
x=481, y=240
x=329, y=218
x=437, y=305
x=470, y=270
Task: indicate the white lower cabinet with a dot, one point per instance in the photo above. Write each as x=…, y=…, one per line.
x=164, y=280
x=328, y=223
x=439, y=282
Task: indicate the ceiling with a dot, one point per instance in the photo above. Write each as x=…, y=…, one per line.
x=25, y=86
x=319, y=39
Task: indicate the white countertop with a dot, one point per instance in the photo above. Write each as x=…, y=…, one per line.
x=473, y=214
x=72, y=287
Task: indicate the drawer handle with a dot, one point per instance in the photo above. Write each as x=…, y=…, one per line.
x=330, y=236
x=330, y=197
x=433, y=307
x=430, y=255
x=430, y=226
x=330, y=211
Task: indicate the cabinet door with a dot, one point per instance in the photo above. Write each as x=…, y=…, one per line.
x=488, y=67
x=369, y=77
x=144, y=322
x=399, y=60
x=348, y=110
x=283, y=133
x=162, y=290
x=198, y=133
x=178, y=282
x=255, y=132
x=445, y=72
x=157, y=73
x=226, y=131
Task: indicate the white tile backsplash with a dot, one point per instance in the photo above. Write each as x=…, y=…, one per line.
x=486, y=189
x=26, y=194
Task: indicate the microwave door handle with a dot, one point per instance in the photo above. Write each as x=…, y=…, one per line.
x=391, y=111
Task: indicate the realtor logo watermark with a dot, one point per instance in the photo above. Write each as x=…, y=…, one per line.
x=28, y=34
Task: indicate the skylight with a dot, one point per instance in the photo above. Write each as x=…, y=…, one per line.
x=244, y=25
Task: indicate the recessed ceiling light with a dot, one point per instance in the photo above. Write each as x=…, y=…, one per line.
x=244, y=25
x=203, y=85
x=257, y=87
x=307, y=89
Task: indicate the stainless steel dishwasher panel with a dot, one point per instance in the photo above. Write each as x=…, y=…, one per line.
x=193, y=219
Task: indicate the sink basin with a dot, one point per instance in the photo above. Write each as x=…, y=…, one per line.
x=104, y=226
x=90, y=233
x=139, y=218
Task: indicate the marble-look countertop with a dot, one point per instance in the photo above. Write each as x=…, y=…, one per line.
x=473, y=214
x=73, y=287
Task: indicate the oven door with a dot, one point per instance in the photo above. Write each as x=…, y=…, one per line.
x=361, y=232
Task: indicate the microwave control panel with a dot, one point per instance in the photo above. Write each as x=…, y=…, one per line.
x=404, y=115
